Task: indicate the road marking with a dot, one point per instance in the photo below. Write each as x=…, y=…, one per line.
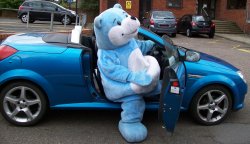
x=214, y=41
x=234, y=47
x=244, y=50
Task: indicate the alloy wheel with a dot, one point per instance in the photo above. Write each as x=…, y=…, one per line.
x=212, y=106
x=188, y=33
x=22, y=104
x=67, y=20
x=24, y=18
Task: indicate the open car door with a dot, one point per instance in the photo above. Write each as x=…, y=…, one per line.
x=171, y=95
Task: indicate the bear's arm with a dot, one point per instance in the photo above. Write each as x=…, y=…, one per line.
x=145, y=46
x=109, y=64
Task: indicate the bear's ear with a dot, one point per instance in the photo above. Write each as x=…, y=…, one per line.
x=98, y=22
x=118, y=6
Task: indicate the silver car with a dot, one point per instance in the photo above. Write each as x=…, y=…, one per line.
x=163, y=22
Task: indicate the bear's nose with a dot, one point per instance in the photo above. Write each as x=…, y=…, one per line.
x=133, y=18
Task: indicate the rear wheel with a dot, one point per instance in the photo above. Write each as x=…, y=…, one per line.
x=211, y=105
x=173, y=34
x=22, y=104
x=211, y=35
x=24, y=19
x=189, y=33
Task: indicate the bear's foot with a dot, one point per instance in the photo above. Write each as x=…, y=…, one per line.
x=133, y=132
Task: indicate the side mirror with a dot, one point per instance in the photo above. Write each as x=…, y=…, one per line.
x=192, y=56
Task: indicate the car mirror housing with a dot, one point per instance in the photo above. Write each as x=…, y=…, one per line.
x=192, y=56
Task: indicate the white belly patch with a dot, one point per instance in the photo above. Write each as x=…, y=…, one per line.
x=138, y=62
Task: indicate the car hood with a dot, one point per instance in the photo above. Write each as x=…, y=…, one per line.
x=32, y=42
x=215, y=62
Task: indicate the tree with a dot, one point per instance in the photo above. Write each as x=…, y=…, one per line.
x=89, y=4
x=10, y=3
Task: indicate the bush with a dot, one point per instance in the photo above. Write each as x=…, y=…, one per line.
x=10, y=3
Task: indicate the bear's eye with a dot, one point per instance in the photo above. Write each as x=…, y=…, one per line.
x=118, y=22
x=126, y=15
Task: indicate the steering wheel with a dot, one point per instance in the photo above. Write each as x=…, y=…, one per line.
x=155, y=51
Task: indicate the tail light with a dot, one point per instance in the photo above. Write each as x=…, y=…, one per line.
x=21, y=8
x=175, y=87
x=152, y=22
x=193, y=23
x=212, y=24
x=6, y=51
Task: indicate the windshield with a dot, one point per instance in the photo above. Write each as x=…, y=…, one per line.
x=199, y=18
x=163, y=15
x=171, y=52
x=60, y=6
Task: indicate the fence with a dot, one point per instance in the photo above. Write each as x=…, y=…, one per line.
x=80, y=18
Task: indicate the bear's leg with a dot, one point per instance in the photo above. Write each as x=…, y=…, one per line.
x=130, y=125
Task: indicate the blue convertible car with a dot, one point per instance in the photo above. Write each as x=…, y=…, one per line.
x=46, y=71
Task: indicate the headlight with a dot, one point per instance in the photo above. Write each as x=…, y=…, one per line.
x=242, y=76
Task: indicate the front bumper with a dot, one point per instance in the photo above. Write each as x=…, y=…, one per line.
x=240, y=97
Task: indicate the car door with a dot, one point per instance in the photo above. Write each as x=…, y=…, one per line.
x=36, y=10
x=48, y=8
x=174, y=77
x=173, y=87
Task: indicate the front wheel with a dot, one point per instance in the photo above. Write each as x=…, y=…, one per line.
x=68, y=20
x=22, y=103
x=211, y=105
x=173, y=34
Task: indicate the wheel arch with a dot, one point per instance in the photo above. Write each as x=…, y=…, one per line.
x=31, y=77
x=212, y=80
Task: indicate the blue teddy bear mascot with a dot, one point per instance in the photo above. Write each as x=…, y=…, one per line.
x=126, y=74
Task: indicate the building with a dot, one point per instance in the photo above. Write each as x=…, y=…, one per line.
x=237, y=11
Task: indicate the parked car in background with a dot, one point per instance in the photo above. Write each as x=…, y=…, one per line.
x=196, y=24
x=41, y=10
x=160, y=22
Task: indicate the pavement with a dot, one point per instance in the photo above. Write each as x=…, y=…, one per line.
x=243, y=38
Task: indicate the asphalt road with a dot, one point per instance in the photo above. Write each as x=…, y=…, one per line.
x=100, y=127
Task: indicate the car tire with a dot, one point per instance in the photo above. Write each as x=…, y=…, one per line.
x=189, y=33
x=211, y=35
x=211, y=105
x=68, y=20
x=24, y=18
x=32, y=21
x=173, y=34
x=22, y=104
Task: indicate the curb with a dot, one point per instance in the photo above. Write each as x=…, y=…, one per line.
x=232, y=39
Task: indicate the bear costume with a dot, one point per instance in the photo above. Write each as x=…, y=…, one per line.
x=126, y=74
